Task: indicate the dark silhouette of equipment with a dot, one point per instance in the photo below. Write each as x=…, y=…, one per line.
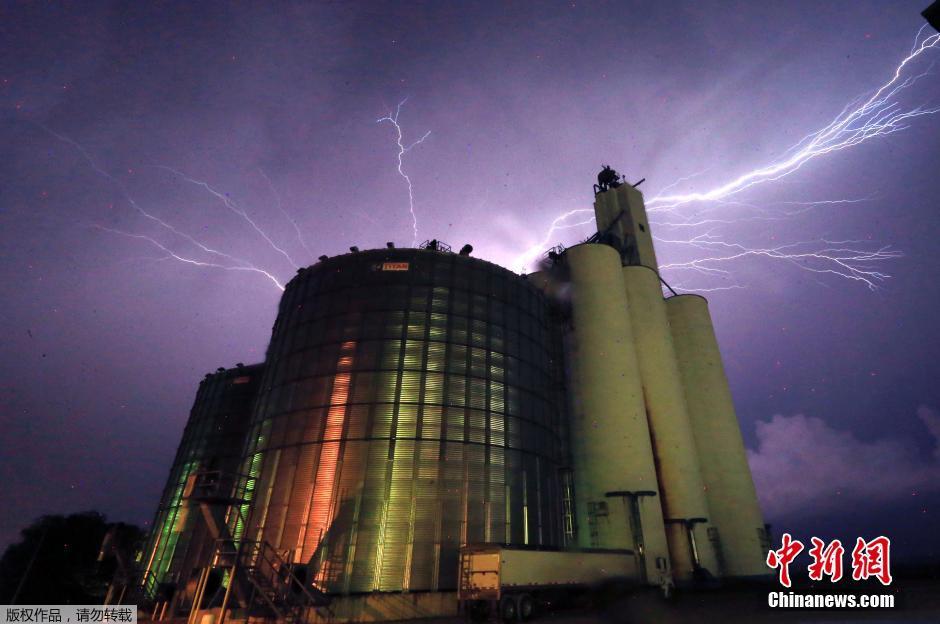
x=466, y=250
x=932, y=15
x=607, y=179
x=435, y=245
x=555, y=255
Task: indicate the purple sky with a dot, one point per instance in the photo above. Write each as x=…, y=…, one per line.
x=106, y=338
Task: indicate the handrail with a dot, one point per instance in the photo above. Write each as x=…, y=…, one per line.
x=262, y=560
x=290, y=579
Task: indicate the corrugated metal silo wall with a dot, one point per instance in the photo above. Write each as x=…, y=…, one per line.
x=412, y=403
x=214, y=439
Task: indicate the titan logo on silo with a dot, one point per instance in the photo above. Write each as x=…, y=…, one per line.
x=395, y=266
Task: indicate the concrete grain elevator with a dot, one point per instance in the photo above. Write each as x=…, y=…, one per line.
x=414, y=401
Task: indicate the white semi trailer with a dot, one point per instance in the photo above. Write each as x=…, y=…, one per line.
x=510, y=582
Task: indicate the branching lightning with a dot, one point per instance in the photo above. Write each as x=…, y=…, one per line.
x=229, y=203
x=834, y=257
x=172, y=254
x=402, y=148
x=277, y=198
x=769, y=215
x=240, y=264
x=878, y=115
x=133, y=203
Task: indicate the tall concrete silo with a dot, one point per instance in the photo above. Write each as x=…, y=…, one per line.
x=732, y=499
x=616, y=488
x=621, y=214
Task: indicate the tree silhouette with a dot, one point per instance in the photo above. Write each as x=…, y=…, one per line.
x=56, y=561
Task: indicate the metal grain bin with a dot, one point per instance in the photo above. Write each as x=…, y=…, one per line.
x=413, y=402
x=213, y=440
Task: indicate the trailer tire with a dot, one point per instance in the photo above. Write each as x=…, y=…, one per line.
x=507, y=609
x=525, y=607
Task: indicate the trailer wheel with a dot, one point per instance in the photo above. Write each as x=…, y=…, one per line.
x=525, y=607
x=507, y=609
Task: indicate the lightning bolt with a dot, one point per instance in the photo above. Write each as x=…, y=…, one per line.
x=832, y=258
x=806, y=206
x=864, y=119
x=558, y=223
x=240, y=263
x=229, y=203
x=877, y=116
x=131, y=202
x=277, y=198
x=402, y=148
x=172, y=254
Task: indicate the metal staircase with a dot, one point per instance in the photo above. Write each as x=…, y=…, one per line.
x=261, y=579
x=275, y=588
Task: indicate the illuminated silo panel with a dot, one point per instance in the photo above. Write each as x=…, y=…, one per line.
x=411, y=404
x=212, y=441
